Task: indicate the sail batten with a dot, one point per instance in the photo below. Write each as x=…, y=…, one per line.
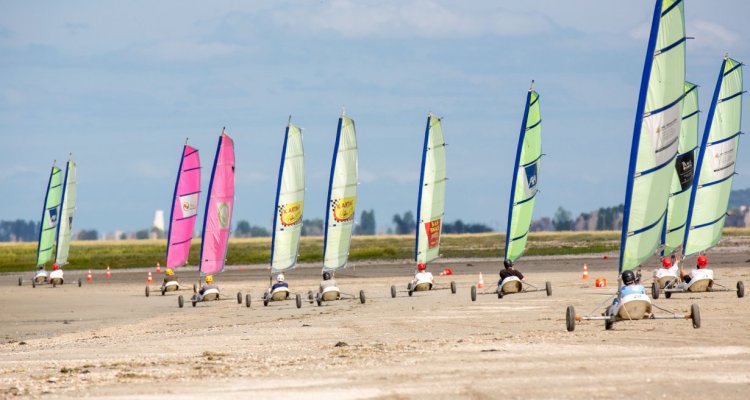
x=217, y=220
x=525, y=178
x=715, y=168
x=289, y=204
x=342, y=196
x=184, y=211
x=431, y=198
x=656, y=134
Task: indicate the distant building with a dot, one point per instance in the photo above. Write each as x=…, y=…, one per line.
x=157, y=227
x=542, y=225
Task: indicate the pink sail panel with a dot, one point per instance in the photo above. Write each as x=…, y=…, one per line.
x=218, y=219
x=184, y=208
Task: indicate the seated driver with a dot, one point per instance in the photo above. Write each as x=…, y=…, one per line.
x=629, y=286
x=56, y=273
x=169, y=276
x=279, y=283
x=40, y=273
x=422, y=276
x=327, y=282
x=508, y=272
x=700, y=270
x=208, y=285
x=668, y=268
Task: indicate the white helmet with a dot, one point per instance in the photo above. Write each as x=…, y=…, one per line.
x=280, y=278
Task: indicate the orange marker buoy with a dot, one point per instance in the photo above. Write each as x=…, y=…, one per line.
x=89, y=278
x=150, y=279
x=480, y=284
x=585, y=272
x=108, y=274
x=600, y=282
x=158, y=268
x=447, y=271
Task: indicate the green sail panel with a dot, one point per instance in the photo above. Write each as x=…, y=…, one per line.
x=50, y=217
x=525, y=174
x=682, y=174
x=655, y=136
x=342, y=197
x=431, y=202
x=716, y=162
x=66, y=214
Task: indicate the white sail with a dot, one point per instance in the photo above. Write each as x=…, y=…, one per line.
x=290, y=196
x=431, y=202
x=66, y=217
x=342, y=197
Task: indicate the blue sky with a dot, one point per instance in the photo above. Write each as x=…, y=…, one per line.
x=121, y=84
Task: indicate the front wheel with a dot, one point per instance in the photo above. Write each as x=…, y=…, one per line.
x=393, y=291
x=247, y=300
x=655, y=290
x=453, y=287
x=20, y=281
x=148, y=291
x=180, y=301
x=609, y=323
x=695, y=315
x=298, y=299
x=80, y=282
x=33, y=283
x=195, y=288
x=740, y=289
x=548, y=287
x=239, y=297
x=362, y=298
x=473, y=293
x=570, y=318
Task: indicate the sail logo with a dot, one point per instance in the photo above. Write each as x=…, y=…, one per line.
x=343, y=209
x=664, y=130
x=530, y=179
x=432, y=229
x=291, y=213
x=222, y=214
x=52, y=215
x=723, y=157
x=684, y=167
x=189, y=205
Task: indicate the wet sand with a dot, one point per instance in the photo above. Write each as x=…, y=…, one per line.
x=107, y=340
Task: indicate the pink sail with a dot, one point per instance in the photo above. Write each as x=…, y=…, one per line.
x=187, y=191
x=218, y=218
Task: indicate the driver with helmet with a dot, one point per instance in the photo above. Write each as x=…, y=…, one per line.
x=169, y=276
x=700, y=270
x=327, y=282
x=208, y=284
x=279, y=282
x=422, y=276
x=629, y=286
x=56, y=273
x=508, y=272
x=40, y=273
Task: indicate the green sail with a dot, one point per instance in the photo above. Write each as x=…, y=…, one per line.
x=682, y=174
x=66, y=214
x=50, y=217
x=716, y=162
x=525, y=174
x=655, y=136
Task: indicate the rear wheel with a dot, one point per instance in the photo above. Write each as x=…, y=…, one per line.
x=54, y=284
x=298, y=299
x=609, y=323
x=473, y=293
x=180, y=301
x=393, y=291
x=148, y=291
x=318, y=299
x=239, y=297
x=499, y=293
x=362, y=298
x=548, y=287
x=453, y=287
x=695, y=315
x=163, y=290
x=195, y=288
x=310, y=295
x=668, y=295
x=247, y=300
x=20, y=281
x=80, y=282
x=33, y=283
x=655, y=290
x=740, y=289
x=265, y=299
x=570, y=318
x=194, y=300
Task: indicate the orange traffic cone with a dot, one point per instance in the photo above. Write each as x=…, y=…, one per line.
x=585, y=272
x=150, y=279
x=480, y=284
x=108, y=274
x=89, y=278
x=158, y=268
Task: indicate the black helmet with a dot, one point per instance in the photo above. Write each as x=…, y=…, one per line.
x=326, y=276
x=508, y=263
x=628, y=277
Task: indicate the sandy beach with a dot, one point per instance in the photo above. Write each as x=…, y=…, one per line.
x=107, y=340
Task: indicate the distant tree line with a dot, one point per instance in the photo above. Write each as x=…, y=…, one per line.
x=19, y=231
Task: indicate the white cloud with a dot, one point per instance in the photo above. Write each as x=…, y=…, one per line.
x=187, y=51
x=709, y=35
x=422, y=18
x=148, y=169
